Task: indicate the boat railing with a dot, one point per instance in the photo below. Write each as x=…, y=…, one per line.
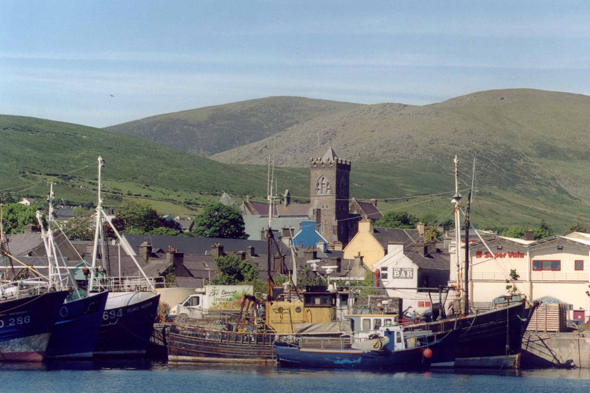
x=129, y=284
x=22, y=288
x=325, y=342
x=253, y=338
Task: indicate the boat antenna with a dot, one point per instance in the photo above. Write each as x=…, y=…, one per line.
x=457, y=201
x=466, y=289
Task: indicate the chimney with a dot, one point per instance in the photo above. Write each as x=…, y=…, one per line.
x=366, y=225
x=374, y=202
x=317, y=215
x=173, y=257
x=217, y=250
x=287, y=198
x=250, y=251
x=420, y=228
x=241, y=255
x=30, y=228
x=339, y=264
x=286, y=233
x=310, y=253
x=338, y=246
x=529, y=234
x=145, y=251
x=321, y=246
x=358, y=260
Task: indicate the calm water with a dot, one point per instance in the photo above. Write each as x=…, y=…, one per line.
x=146, y=377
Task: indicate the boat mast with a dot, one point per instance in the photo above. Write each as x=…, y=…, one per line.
x=456, y=200
x=97, y=230
x=269, y=234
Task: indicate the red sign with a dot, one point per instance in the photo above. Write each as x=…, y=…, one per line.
x=480, y=254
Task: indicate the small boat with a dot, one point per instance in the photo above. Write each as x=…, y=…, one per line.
x=396, y=349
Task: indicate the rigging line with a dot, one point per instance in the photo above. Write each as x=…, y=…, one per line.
x=385, y=199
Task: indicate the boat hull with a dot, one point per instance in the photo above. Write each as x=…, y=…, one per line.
x=490, y=339
x=76, y=329
x=26, y=325
x=441, y=352
x=126, y=330
x=194, y=344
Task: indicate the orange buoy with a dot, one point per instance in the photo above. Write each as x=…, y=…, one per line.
x=427, y=353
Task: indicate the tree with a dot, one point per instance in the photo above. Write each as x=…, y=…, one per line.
x=17, y=216
x=543, y=231
x=80, y=225
x=234, y=270
x=515, y=231
x=511, y=287
x=142, y=219
x=400, y=219
x=218, y=220
x=578, y=227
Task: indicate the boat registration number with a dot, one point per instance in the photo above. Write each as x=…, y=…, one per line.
x=112, y=314
x=15, y=321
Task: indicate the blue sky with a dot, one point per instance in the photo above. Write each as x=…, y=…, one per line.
x=62, y=60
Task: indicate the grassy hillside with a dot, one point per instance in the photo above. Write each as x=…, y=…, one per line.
x=214, y=129
x=35, y=151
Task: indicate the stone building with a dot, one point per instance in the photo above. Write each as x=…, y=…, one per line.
x=329, y=196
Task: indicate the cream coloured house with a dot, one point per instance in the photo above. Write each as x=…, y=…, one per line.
x=556, y=267
x=371, y=243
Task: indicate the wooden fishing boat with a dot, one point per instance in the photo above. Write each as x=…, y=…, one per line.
x=198, y=344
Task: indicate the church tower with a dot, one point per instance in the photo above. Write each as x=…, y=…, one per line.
x=329, y=196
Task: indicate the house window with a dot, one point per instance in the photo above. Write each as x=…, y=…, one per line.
x=579, y=265
x=384, y=273
x=547, y=265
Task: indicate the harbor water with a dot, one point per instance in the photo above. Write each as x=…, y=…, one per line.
x=145, y=377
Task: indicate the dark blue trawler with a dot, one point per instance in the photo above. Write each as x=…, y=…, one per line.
x=395, y=350
x=127, y=324
x=26, y=322
x=76, y=329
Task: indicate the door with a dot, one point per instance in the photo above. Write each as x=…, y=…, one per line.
x=580, y=315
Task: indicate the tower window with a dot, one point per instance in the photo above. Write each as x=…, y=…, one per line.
x=323, y=186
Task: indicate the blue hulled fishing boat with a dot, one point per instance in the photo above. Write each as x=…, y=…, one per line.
x=397, y=349
x=26, y=320
x=76, y=329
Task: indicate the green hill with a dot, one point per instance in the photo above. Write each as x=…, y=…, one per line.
x=214, y=129
x=35, y=151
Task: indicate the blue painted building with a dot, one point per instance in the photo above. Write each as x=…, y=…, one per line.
x=308, y=236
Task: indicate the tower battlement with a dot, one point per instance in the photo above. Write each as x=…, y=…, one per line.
x=339, y=163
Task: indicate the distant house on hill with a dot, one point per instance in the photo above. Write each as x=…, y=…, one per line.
x=27, y=202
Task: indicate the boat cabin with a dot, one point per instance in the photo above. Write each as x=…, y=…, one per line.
x=364, y=325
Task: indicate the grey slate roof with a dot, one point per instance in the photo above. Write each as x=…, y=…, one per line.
x=196, y=245
x=435, y=261
x=386, y=235
x=255, y=223
x=371, y=211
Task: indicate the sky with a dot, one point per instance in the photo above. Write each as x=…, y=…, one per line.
x=101, y=63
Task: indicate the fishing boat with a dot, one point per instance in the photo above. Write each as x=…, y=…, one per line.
x=490, y=339
x=28, y=311
x=76, y=328
x=132, y=304
x=396, y=348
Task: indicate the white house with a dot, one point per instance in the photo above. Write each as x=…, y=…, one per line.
x=413, y=273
